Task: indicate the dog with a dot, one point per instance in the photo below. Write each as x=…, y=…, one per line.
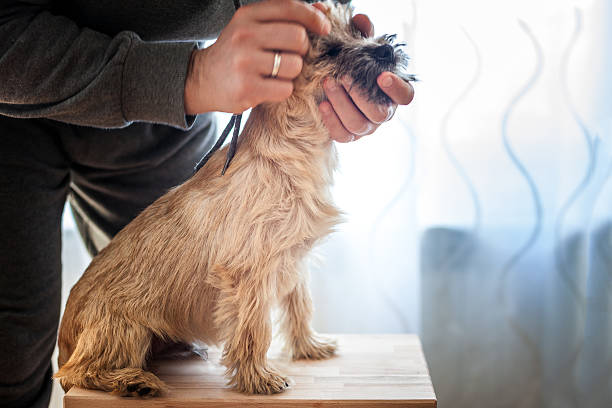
x=208, y=261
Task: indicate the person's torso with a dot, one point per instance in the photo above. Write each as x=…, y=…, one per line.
x=152, y=20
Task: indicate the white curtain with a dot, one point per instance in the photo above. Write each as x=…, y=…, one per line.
x=480, y=217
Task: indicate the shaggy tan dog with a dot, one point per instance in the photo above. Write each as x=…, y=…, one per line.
x=208, y=260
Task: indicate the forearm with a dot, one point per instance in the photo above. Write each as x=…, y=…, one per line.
x=51, y=68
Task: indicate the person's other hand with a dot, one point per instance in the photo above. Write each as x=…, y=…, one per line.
x=347, y=114
x=233, y=74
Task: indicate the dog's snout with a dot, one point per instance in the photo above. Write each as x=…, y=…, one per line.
x=384, y=53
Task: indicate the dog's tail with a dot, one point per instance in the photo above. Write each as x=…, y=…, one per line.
x=111, y=358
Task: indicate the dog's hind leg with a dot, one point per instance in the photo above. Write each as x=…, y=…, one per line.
x=111, y=356
x=302, y=341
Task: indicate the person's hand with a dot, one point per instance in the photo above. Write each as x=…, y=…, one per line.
x=347, y=114
x=233, y=74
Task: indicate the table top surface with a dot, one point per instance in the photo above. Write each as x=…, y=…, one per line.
x=369, y=370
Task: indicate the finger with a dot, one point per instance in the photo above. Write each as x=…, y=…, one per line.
x=400, y=91
x=290, y=64
x=333, y=124
x=284, y=37
x=272, y=90
x=353, y=120
x=321, y=6
x=289, y=11
x=374, y=112
x=363, y=24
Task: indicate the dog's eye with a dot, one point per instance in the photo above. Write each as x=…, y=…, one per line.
x=389, y=38
x=334, y=50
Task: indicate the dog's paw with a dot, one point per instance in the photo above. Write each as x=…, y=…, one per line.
x=314, y=348
x=139, y=390
x=145, y=385
x=260, y=381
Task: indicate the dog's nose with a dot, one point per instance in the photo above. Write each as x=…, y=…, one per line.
x=384, y=53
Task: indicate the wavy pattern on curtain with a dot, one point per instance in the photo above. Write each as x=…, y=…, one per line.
x=448, y=151
x=482, y=217
x=529, y=344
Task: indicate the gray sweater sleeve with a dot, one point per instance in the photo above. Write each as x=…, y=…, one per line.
x=52, y=68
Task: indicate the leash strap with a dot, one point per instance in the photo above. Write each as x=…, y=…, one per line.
x=233, y=123
x=234, y=143
x=218, y=145
x=231, y=152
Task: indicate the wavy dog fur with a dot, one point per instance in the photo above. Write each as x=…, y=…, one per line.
x=208, y=260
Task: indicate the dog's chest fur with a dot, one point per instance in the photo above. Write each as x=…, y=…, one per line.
x=274, y=203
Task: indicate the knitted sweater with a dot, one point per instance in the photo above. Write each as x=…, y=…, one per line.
x=102, y=63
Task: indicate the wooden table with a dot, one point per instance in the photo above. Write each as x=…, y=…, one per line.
x=369, y=371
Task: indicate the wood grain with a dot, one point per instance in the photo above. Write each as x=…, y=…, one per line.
x=369, y=371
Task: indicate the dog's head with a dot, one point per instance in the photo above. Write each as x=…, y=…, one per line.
x=346, y=52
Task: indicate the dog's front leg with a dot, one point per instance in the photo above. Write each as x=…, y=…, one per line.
x=303, y=342
x=243, y=316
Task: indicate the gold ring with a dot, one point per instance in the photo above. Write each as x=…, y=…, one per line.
x=276, y=67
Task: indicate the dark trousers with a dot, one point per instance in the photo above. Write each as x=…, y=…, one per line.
x=109, y=176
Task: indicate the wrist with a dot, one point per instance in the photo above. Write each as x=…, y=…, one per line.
x=193, y=102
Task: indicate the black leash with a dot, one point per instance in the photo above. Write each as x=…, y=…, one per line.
x=233, y=123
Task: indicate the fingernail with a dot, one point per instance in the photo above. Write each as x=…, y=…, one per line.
x=326, y=26
x=324, y=108
x=386, y=82
x=346, y=81
x=391, y=112
x=384, y=111
x=330, y=84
